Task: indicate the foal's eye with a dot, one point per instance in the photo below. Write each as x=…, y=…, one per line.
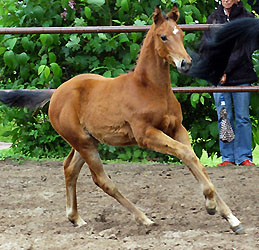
x=164, y=38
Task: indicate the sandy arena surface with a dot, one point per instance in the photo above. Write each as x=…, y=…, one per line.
x=32, y=205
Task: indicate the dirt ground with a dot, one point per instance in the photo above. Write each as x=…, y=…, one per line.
x=32, y=206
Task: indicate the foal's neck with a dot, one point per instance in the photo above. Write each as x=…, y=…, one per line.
x=151, y=69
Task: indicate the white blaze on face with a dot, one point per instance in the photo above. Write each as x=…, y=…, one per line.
x=175, y=30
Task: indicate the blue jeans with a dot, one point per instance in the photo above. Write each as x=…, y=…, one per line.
x=240, y=149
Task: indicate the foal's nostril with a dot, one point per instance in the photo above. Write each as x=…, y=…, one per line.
x=185, y=65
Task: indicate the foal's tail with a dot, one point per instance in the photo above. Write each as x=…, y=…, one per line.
x=26, y=98
x=211, y=66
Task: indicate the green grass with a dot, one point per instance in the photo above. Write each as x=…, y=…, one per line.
x=206, y=161
x=8, y=153
x=4, y=133
x=256, y=155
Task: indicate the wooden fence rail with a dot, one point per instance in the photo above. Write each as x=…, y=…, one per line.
x=215, y=89
x=183, y=89
x=97, y=29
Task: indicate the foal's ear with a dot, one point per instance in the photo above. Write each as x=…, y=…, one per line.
x=174, y=13
x=158, y=17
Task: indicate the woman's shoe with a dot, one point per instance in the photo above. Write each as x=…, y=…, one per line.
x=247, y=163
x=226, y=163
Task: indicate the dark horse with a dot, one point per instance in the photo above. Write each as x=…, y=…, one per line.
x=215, y=57
x=135, y=108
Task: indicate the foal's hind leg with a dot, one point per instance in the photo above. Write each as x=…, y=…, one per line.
x=91, y=156
x=72, y=167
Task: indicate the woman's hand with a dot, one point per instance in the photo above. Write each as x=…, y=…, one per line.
x=223, y=79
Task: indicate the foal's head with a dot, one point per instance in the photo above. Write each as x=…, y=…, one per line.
x=169, y=40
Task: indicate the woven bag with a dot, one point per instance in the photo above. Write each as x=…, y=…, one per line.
x=226, y=133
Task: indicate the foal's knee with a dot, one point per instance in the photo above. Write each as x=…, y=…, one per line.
x=106, y=185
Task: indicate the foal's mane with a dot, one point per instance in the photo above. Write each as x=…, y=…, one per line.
x=214, y=60
x=141, y=45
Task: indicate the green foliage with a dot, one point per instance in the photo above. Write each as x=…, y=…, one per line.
x=47, y=60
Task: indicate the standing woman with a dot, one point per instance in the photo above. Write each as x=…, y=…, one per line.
x=239, y=72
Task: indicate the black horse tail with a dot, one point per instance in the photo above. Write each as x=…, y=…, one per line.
x=214, y=59
x=31, y=99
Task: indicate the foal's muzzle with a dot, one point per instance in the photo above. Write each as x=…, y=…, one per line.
x=185, y=66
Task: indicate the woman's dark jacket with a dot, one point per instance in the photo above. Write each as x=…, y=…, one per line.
x=240, y=69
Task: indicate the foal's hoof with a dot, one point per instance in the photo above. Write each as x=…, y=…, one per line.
x=143, y=220
x=211, y=211
x=78, y=223
x=238, y=229
x=211, y=206
x=146, y=222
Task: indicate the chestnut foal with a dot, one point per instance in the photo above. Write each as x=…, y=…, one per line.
x=135, y=108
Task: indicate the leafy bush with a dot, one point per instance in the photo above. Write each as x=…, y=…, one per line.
x=47, y=60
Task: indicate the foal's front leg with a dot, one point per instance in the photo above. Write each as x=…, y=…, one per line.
x=182, y=136
x=156, y=140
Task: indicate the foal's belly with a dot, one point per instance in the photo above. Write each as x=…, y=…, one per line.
x=115, y=135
